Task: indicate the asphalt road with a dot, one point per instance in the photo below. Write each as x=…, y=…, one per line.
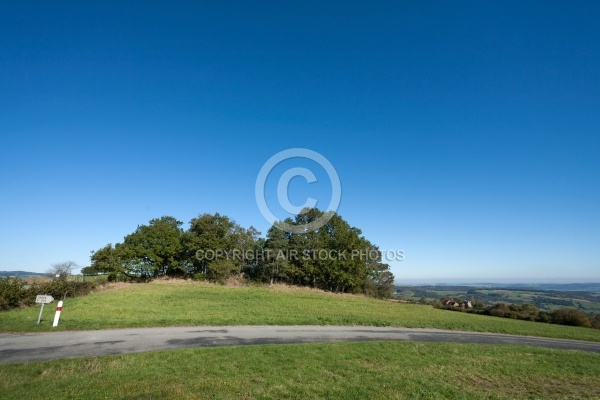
x=23, y=347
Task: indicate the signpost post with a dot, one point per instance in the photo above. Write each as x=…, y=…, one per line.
x=43, y=299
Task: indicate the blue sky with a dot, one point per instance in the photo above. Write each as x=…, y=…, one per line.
x=466, y=134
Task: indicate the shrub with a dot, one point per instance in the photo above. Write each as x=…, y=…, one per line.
x=61, y=289
x=500, y=310
x=569, y=316
x=11, y=292
x=595, y=321
x=14, y=293
x=543, y=316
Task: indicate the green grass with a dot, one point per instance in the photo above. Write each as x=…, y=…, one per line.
x=589, y=307
x=373, y=370
x=165, y=303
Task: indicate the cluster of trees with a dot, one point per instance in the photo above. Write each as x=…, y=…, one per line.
x=334, y=257
x=528, y=312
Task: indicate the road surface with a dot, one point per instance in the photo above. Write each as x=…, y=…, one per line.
x=23, y=347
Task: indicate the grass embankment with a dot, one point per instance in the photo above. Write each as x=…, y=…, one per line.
x=180, y=303
x=374, y=370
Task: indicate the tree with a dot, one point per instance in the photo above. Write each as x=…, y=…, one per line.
x=62, y=270
x=108, y=260
x=152, y=250
x=382, y=279
x=155, y=248
x=216, y=247
x=276, y=262
x=334, y=257
x=90, y=270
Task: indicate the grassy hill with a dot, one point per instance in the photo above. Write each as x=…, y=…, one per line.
x=377, y=370
x=186, y=303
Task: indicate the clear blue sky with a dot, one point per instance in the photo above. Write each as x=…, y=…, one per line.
x=465, y=133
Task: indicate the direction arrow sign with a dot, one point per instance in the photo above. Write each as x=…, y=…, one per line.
x=44, y=299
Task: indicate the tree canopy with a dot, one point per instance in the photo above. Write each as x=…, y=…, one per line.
x=335, y=257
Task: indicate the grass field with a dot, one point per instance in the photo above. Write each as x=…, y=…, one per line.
x=181, y=303
x=373, y=370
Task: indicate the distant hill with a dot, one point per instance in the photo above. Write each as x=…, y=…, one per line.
x=588, y=287
x=593, y=287
x=20, y=274
x=546, y=297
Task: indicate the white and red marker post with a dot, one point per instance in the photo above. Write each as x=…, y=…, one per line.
x=57, y=314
